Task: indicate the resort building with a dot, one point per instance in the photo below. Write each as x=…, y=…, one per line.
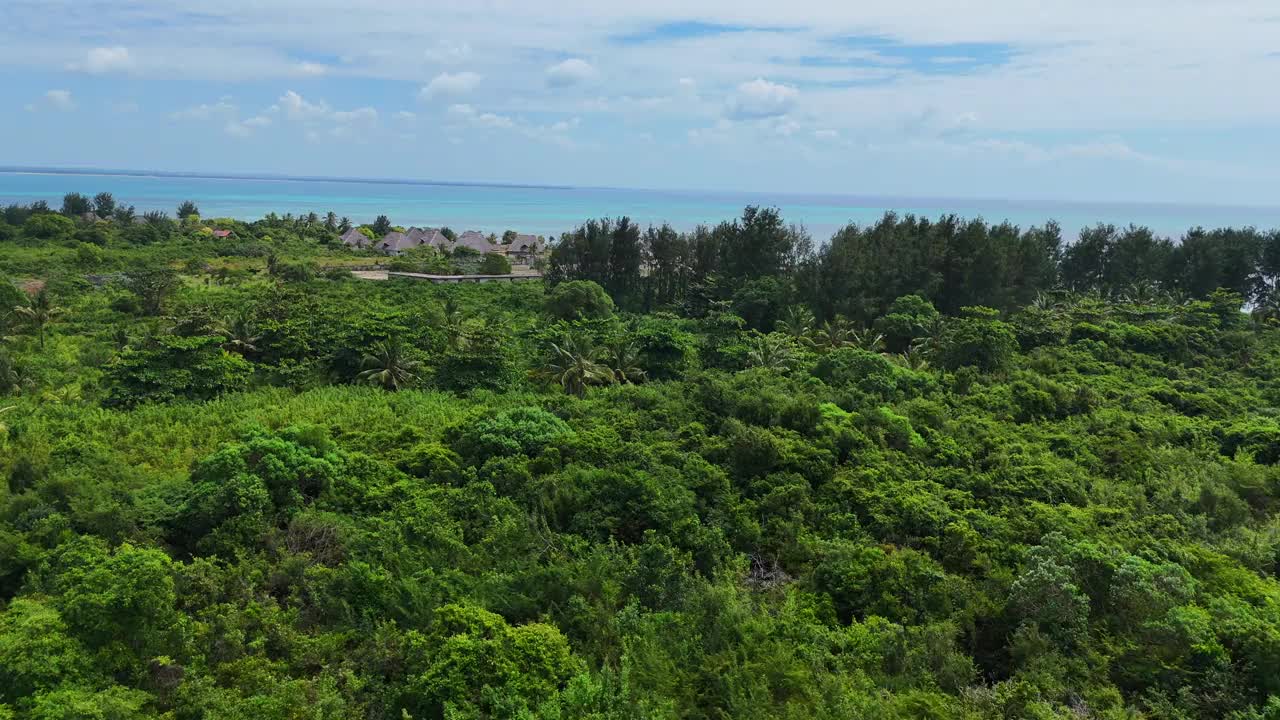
x=523, y=250
x=353, y=238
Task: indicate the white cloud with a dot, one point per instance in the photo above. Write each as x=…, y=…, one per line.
x=785, y=126
x=450, y=84
x=258, y=121
x=626, y=104
x=298, y=108
x=238, y=129
x=448, y=52
x=59, y=100
x=124, y=107
x=311, y=69
x=1040, y=72
x=406, y=116
x=205, y=111
x=826, y=134
x=562, y=126
x=359, y=116
x=760, y=98
x=719, y=133
x=491, y=120
x=557, y=132
x=104, y=59
x=573, y=71
x=1033, y=153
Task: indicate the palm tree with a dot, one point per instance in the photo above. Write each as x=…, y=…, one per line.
x=388, y=366
x=773, y=351
x=624, y=361
x=834, y=334
x=1267, y=311
x=576, y=364
x=242, y=335
x=866, y=340
x=344, y=225
x=913, y=359
x=65, y=395
x=930, y=341
x=4, y=429
x=39, y=312
x=10, y=378
x=331, y=221
x=797, y=322
x=1141, y=292
x=1046, y=303
x=455, y=325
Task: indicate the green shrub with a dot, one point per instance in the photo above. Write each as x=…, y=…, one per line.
x=977, y=340
x=578, y=300
x=525, y=430
x=47, y=226
x=494, y=264
x=169, y=367
x=869, y=373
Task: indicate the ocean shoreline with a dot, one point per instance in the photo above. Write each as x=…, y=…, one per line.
x=958, y=201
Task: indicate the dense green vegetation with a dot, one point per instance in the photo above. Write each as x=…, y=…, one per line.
x=928, y=470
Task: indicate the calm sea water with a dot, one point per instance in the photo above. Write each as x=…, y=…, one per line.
x=550, y=211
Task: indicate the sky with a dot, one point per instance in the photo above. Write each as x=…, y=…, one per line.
x=1091, y=100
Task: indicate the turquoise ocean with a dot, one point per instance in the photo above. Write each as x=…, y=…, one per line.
x=553, y=210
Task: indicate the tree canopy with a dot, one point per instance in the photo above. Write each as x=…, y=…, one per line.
x=931, y=469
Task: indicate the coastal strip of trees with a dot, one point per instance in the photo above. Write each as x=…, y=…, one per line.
x=760, y=265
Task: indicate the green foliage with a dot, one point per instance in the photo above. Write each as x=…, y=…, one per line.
x=10, y=297
x=494, y=264
x=525, y=430
x=869, y=373
x=46, y=226
x=37, y=651
x=482, y=359
x=908, y=319
x=904, y=476
x=387, y=367
x=578, y=300
x=104, y=204
x=37, y=313
x=667, y=349
x=167, y=368
x=977, y=340
x=244, y=489
x=472, y=663
x=74, y=205
x=152, y=286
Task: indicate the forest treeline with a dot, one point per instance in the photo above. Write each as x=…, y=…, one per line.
x=929, y=470
x=762, y=262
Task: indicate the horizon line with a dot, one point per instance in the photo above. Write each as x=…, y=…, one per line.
x=283, y=177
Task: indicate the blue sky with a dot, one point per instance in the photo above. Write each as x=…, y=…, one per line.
x=1164, y=100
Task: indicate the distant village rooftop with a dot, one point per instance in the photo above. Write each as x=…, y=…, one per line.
x=523, y=248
